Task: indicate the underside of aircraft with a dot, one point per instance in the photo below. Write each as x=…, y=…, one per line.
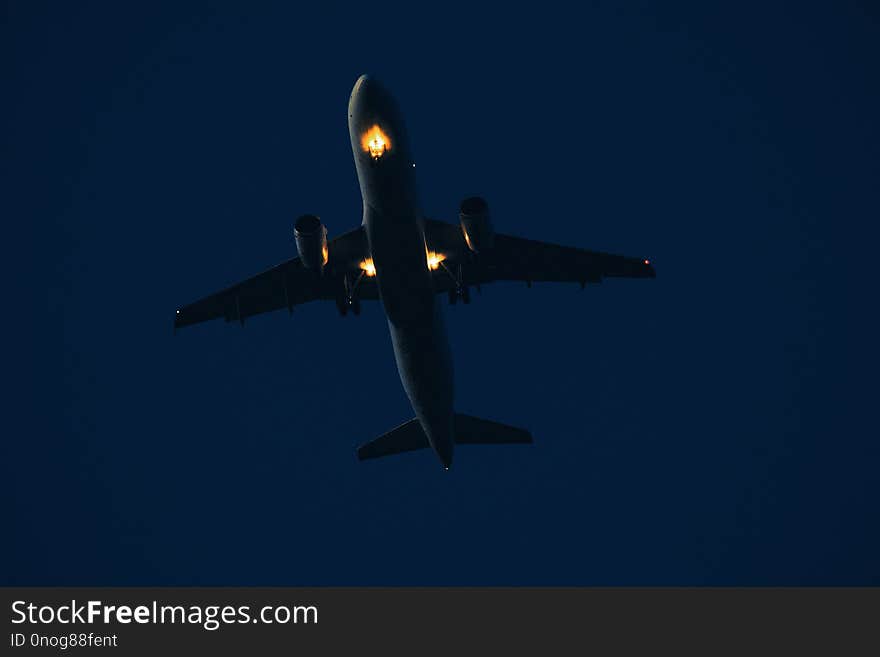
x=405, y=260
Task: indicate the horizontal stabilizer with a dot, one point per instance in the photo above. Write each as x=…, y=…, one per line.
x=471, y=430
x=405, y=438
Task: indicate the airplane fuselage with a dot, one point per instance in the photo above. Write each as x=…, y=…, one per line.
x=396, y=237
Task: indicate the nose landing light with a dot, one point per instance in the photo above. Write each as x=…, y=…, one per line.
x=375, y=142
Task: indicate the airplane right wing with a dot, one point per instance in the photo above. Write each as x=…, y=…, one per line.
x=286, y=285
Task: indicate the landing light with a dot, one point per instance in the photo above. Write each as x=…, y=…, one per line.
x=647, y=262
x=375, y=142
x=368, y=267
x=434, y=259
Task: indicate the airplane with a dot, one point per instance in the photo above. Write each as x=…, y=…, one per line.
x=405, y=260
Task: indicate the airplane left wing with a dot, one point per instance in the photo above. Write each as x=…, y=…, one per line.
x=519, y=259
x=286, y=285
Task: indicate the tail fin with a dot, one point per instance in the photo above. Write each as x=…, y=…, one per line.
x=471, y=430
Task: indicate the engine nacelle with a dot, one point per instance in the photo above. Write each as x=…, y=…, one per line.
x=476, y=225
x=311, y=241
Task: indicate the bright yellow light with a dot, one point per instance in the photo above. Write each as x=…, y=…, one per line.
x=368, y=267
x=375, y=142
x=325, y=254
x=434, y=259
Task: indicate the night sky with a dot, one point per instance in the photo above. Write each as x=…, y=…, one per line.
x=714, y=426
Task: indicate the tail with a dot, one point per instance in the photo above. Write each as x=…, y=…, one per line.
x=469, y=430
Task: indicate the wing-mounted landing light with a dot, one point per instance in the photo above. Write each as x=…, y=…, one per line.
x=375, y=142
x=434, y=259
x=368, y=267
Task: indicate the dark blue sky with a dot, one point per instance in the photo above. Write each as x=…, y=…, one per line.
x=715, y=426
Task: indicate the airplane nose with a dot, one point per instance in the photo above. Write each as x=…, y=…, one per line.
x=368, y=90
x=364, y=96
x=362, y=82
x=374, y=122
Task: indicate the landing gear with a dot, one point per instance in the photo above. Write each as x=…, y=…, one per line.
x=460, y=290
x=349, y=298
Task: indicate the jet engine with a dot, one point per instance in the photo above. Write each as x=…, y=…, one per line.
x=475, y=224
x=311, y=241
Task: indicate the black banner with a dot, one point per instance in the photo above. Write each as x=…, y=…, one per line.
x=147, y=621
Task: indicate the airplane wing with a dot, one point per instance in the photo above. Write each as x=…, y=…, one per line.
x=518, y=259
x=286, y=285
